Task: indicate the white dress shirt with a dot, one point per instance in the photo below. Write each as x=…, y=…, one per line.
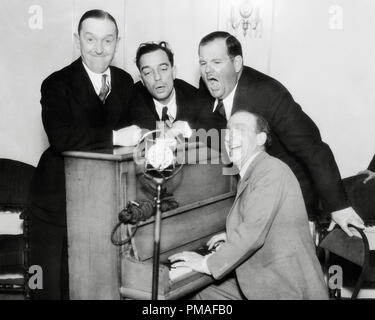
x=228, y=103
x=172, y=107
x=96, y=79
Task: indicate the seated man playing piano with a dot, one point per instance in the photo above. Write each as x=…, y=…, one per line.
x=267, y=241
x=159, y=96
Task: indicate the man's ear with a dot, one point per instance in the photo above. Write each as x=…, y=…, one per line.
x=261, y=138
x=238, y=63
x=141, y=79
x=174, y=72
x=76, y=40
x=117, y=43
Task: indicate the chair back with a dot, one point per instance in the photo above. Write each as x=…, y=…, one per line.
x=354, y=249
x=15, y=179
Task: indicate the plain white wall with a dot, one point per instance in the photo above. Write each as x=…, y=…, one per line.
x=27, y=56
x=329, y=72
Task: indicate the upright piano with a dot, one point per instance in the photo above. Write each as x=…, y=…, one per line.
x=99, y=185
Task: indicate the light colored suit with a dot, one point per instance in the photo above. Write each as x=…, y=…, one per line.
x=269, y=243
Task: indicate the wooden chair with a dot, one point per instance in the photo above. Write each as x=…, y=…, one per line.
x=15, y=178
x=355, y=249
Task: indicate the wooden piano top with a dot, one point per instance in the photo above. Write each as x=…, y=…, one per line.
x=126, y=153
x=115, y=154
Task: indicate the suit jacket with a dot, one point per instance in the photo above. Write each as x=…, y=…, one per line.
x=295, y=137
x=142, y=110
x=372, y=165
x=74, y=118
x=268, y=237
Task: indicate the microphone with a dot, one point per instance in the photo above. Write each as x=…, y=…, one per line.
x=161, y=154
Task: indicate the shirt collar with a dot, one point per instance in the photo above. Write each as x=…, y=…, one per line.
x=94, y=74
x=228, y=103
x=172, y=106
x=96, y=78
x=247, y=164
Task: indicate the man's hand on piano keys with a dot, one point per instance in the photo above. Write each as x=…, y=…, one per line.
x=191, y=260
x=216, y=241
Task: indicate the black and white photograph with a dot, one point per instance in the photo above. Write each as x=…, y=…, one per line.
x=207, y=151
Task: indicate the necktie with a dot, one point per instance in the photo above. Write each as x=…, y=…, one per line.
x=164, y=113
x=165, y=117
x=104, y=89
x=220, y=108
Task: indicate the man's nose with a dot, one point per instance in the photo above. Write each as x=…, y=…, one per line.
x=208, y=68
x=99, y=47
x=157, y=75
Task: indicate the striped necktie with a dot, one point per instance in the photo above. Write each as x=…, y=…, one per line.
x=165, y=117
x=104, y=89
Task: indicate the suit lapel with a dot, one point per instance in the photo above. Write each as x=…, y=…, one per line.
x=246, y=178
x=83, y=88
x=180, y=101
x=112, y=105
x=149, y=102
x=243, y=92
x=239, y=96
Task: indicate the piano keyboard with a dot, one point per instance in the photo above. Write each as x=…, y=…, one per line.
x=175, y=274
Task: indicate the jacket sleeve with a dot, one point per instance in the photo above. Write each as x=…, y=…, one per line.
x=57, y=119
x=257, y=207
x=301, y=137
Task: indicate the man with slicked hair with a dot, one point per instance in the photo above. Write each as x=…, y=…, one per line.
x=159, y=95
x=84, y=107
x=228, y=86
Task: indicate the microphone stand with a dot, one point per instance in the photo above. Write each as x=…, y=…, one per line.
x=157, y=231
x=157, y=228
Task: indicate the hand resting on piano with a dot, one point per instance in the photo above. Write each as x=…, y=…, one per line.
x=197, y=261
x=216, y=241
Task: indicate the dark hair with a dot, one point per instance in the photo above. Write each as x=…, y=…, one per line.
x=234, y=47
x=148, y=47
x=97, y=14
x=263, y=126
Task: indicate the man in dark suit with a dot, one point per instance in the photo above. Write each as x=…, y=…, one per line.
x=84, y=107
x=159, y=95
x=230, y=86
x=267, y=239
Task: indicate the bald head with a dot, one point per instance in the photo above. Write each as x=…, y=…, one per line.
x=246, y=136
